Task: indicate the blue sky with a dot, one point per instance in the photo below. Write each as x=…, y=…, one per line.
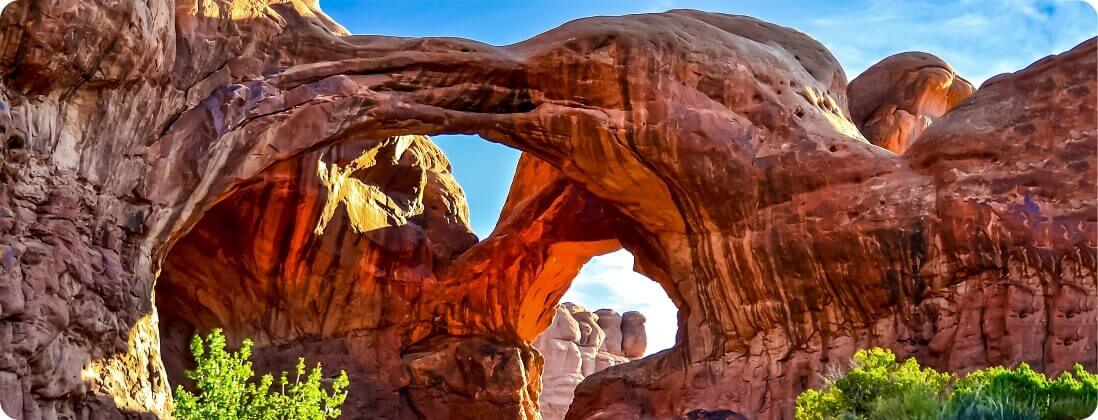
x=979, y=38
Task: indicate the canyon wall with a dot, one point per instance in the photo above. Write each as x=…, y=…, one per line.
x=161, y=174
x=579, y=343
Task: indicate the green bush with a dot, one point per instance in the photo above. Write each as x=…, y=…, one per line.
x=226, y=389
x=879, y=387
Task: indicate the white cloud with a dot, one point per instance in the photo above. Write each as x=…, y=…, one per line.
x=609, y=281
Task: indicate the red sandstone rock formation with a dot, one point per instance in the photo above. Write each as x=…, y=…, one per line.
x=893, y=101
x=634, y=338
x=718, y=149
x=1003, y=264
x=562, y=366
x=569, y=352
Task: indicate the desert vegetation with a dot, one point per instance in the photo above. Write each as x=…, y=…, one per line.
x=877, y=386
x=225, y=387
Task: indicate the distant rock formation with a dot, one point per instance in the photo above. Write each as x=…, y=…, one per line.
x=579, y=343
x=634, y=337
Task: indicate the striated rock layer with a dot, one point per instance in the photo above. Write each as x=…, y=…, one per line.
x=179, y=139
x=574, y=347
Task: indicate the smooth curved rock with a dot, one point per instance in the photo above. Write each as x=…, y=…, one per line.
x=893, y=101
x=610, y=323
x=564, y=326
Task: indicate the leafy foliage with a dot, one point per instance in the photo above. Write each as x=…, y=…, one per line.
x=225, y=389
x=879, y=387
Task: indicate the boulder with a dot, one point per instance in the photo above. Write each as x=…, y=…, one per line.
x=896, y=99
x=610, y=323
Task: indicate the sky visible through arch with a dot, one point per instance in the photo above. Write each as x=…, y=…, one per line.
x=979, y=38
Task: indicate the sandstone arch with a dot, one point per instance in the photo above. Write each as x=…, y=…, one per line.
x=253, y=266
x=721, y=144
x=604, y=150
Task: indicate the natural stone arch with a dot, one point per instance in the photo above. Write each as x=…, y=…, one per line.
x=646, y=123
x=283, y=287
x=599, y=142
x=788, y=242
x=254, y=266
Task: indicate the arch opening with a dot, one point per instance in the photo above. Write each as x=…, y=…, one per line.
x=609, y=316
x=609, y=281
x=374, y=299
x=254, y=265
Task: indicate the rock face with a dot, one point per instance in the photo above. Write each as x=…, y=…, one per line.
x=573, y=349
x=974, y=294
x=155, y=180
x=87, y=87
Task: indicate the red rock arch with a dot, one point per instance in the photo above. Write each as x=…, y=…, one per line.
x=722, y=142
x=614, y=144
x=741, y=184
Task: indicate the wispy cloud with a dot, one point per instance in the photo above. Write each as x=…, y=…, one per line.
x=979, y=38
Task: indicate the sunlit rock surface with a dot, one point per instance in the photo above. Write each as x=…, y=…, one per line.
x=256, y=266
x=569, y=353
x=895, y=100
x=160, y=174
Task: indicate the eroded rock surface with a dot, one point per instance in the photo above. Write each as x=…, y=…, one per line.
x=719, y=150
x=569, y=352
x=989, y=283
x=87, y=87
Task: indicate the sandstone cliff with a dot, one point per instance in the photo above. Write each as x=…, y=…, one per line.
x=160, y=173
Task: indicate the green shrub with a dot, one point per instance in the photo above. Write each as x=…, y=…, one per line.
x=226, y=389
x=1071, y=395
x=879, y=387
